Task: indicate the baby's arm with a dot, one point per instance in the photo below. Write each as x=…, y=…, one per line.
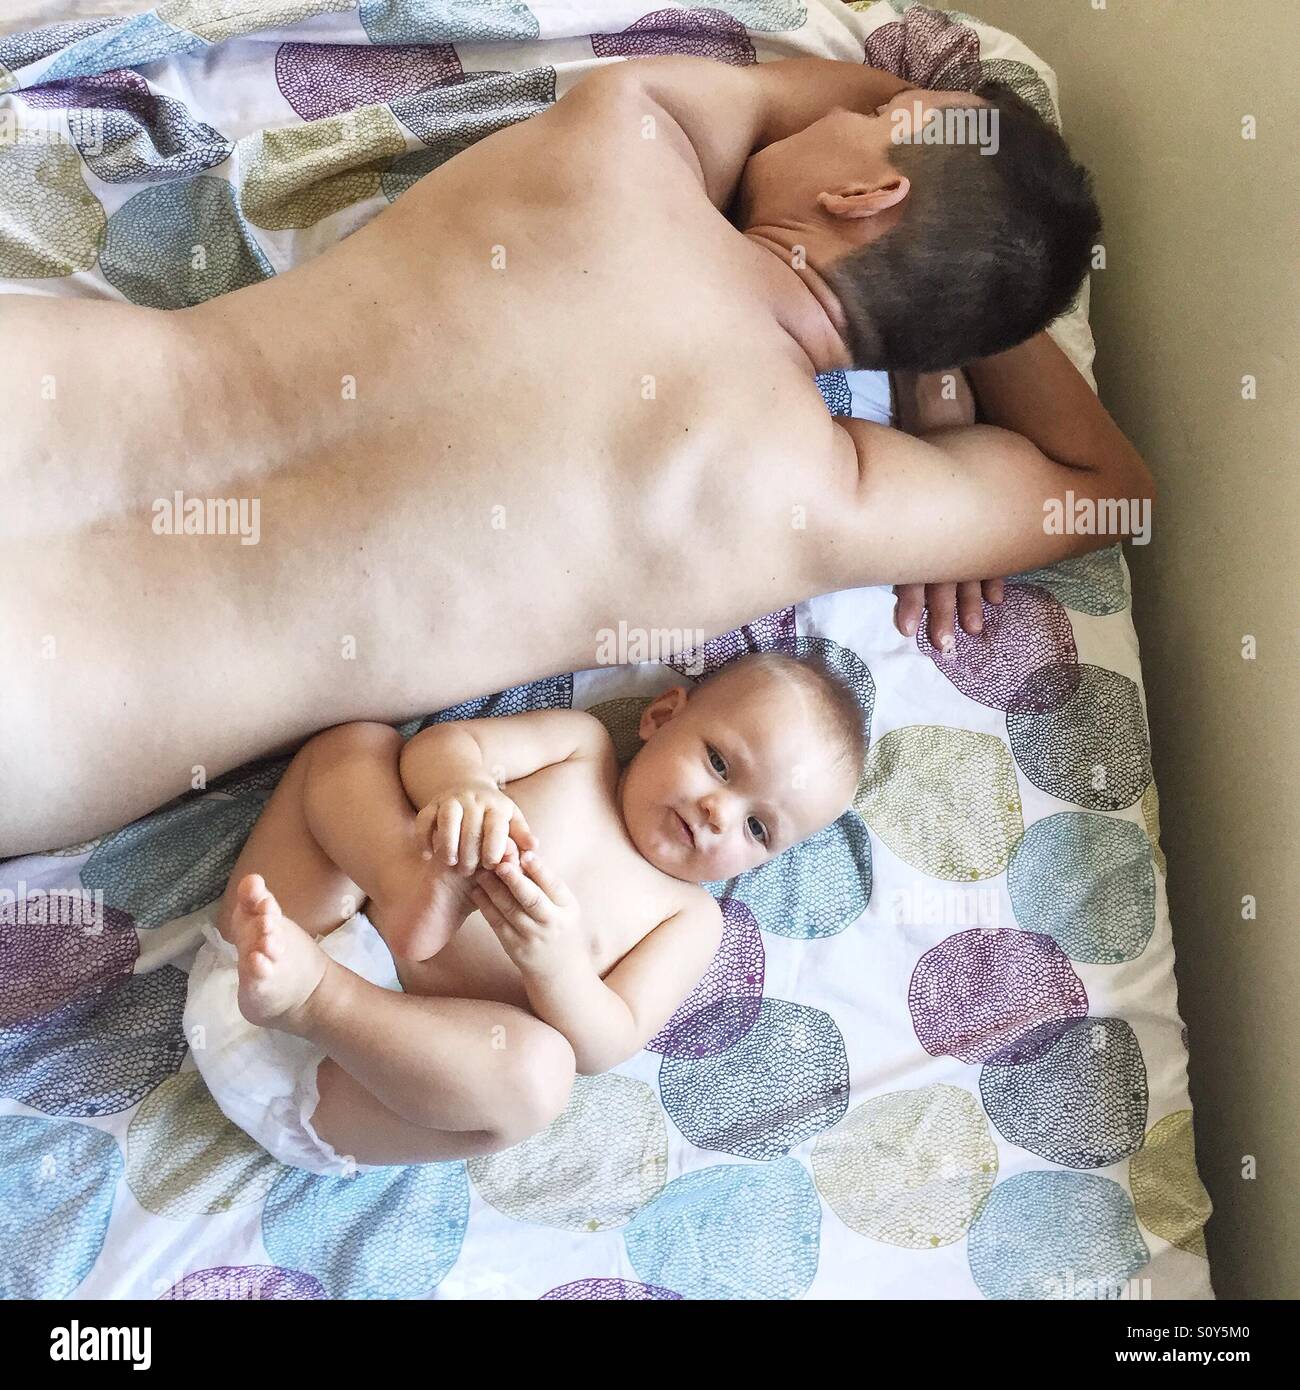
x=536, y=919
x=453, y=774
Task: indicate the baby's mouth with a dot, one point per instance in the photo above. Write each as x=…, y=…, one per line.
x=683, y=826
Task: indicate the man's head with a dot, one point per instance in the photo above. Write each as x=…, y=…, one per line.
x=937, y=252
x=762, y=754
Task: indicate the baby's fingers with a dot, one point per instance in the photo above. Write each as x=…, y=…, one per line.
x=492, y=914
x=528, y=894
x=447, y=837
x=496, y=835
x=552, y=885
x=520, y=833
x=425, y=824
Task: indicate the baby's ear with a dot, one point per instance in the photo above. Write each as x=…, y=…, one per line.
x=664, y=707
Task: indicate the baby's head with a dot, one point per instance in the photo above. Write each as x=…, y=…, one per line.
x=759, y=756
x=950, y=225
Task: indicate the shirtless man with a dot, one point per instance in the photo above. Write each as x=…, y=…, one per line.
x=552, y=389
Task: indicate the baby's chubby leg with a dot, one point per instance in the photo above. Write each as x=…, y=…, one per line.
x=340, y=829
x=406, y=1079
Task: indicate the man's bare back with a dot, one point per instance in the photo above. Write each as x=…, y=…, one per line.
x=550, y=391
x=526, y=445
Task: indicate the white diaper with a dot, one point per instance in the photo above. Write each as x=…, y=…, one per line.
x=263, y=1080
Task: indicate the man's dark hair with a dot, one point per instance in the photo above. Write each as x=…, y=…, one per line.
x=988, y=251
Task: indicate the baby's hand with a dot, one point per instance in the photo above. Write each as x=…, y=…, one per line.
x=533, y=913
x=475, y=825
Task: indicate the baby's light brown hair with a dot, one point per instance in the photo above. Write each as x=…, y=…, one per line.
x=842, y=718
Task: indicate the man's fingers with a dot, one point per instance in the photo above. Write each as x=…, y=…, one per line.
x=941, y=599
x=908, y=608
x=994, y=590
x=970, y=606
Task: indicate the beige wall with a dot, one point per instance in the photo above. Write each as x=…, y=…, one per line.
x=1199, y=290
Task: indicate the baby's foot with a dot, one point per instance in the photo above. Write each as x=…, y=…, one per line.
x=279, y=964
x=423, y=914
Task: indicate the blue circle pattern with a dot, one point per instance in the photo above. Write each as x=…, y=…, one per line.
x=150, y=240
x=732, y=1231
x=436, y=21
x=1092, y=583
x=784, y=1081
x=1055, y=1235
x=171, y=145
x=57, y=1182
x=17, y=50
x=143, y=39
x=174, y=861
x=816, y=888
x=1087, y=881
x=385, y=1233
x=451, y=118
x=556, y=692
x=1080, y=1102
x=836, y=392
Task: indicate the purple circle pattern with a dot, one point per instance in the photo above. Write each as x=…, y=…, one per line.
x=769, y=633
x=325, y=79
x=44, y=967
x=128, y=133
x=605, y=1289
x=734, y=980
x=928, y=49
x=228, y=1282
x=701, y=33
x=99, y=1055
x=1027, y=630
x=978, y=994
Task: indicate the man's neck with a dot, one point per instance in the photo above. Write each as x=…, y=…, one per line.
x=807, y=307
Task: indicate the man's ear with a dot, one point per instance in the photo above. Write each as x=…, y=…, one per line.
x=862, y=199
x=661, y=709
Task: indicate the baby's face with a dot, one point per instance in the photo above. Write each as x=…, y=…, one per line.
x=730, y=777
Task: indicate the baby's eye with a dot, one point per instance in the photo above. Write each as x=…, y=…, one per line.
x=717, y=761
x=757, y=829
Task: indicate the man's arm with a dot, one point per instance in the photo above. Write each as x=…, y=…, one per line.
x=969, y=502
x=721, y=113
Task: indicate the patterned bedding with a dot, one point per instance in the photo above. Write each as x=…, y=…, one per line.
x=938, y=1054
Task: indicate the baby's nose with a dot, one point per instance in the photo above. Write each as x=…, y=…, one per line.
x=714, y=813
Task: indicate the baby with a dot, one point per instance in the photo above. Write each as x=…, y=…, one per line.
x=541, y=915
